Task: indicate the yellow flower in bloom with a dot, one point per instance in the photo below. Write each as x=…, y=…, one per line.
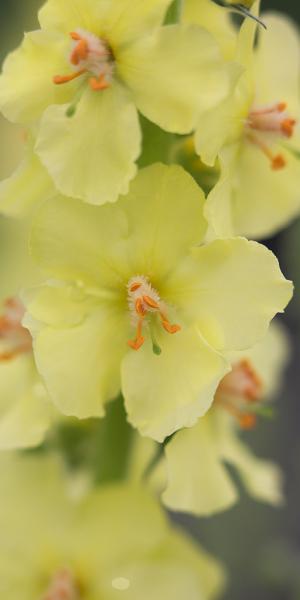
x=139, y=302
x=108, y=543
x=254, y=133
x=197, y=478
x=81, y=78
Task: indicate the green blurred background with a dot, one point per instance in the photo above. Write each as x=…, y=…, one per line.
x=260, y=546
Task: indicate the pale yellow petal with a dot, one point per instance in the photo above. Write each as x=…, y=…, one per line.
x=233, y=288
x=175, y=75
x=92, y=154
x=198, y=481
x=26, y=84
x=170, y=391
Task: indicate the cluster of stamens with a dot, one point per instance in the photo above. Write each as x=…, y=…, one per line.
x=14, y=338
x=274, y=120
x=143, y=301
x=238, y=390
x=92, y=55
x=62, y=587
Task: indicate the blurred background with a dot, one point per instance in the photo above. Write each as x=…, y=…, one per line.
x=259, y=545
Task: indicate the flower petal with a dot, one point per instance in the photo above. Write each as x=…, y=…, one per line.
x=261, y=478
x=278, y=62
x=80, y=364
x=162, y=200
x=213, y=18
x=233, y=288
x=120, y=21
x=75, y=241
x=164, y=393
x=175, y=75
x=91, y=155
x=273, y=198
x=25, y=412
x=26, y=85
x=198, y=481
x=25, y=188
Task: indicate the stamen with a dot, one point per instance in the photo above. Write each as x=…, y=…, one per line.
x=139, y=339
x=92, y=55
x=277, y=161
x=59, y=79
x=16, y=339
x=274, y=120
x=62, y=587
x=144, y=301
x=98, y=84
x=241, y=386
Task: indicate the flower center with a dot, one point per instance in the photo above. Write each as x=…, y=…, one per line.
x=89, y=54
x=239, y=388
x=144, y=301
x=274, y=120
x=62, y=587
x=14, y=337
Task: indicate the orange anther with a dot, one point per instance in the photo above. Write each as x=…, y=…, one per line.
x=137, y=343
x=75, y=36
x=281, y=106
x=80, y=52
x=278, y=162
x=59, y=79
x=99, y=84
x=150, y=302
x=247, y=421
x=139, y=307
x=135, y=286
x=139, y=340
x=170, y=328
x=287, y=127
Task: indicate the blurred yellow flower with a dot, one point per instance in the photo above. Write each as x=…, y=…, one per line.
x=58, y=541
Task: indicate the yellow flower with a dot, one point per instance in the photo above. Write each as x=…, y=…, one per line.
x=197, y=478
x=254, y=133
x=107, y=543
x=138, y=304
x=81, y=79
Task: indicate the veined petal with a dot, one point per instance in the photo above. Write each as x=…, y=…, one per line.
x=81, y=364
x=120, y=21
x=25, y=188
x=262, y=479
x=26, y=84
x=278, y=62
x=175, y=75
x=273, y=198
x=74, y=241
x=92, y=154
x=162, y=200
x=25, y=411
x=198, y=481
x=166, y=392
x=233, y=288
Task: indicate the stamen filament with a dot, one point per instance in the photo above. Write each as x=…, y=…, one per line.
x=60, y=79
x=277, y=161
